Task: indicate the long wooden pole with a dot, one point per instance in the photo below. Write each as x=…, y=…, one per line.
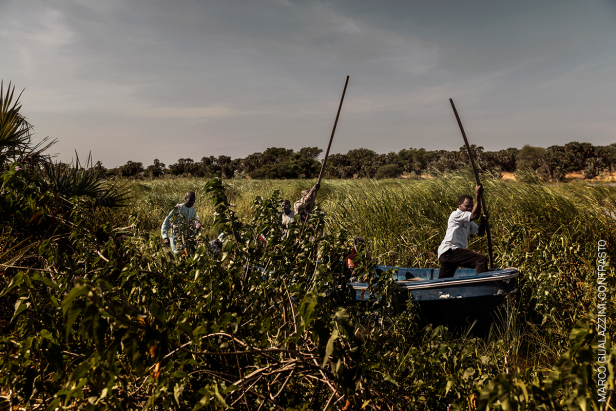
x=481, y=199
x=333, y=131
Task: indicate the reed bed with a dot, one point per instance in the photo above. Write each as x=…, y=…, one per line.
x=126, y=298
x=404, y=221
x=549, y=231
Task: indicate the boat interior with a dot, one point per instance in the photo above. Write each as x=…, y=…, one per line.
x=419, y=274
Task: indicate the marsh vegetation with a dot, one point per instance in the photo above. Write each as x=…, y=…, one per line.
x=96, y=314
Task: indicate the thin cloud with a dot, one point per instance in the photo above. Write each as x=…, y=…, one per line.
x=188, y=112
x=237, y=77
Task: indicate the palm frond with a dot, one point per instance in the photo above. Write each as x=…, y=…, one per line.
x=15, y=131
x=35, y=156
x=86, y=183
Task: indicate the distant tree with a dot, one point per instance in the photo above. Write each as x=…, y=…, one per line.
x=479, y=156
x=274, y=172
x=251, y=162
x=227, y=166
x=184, y=167
x=388, y=171
x=131, y=169
x=297, y=166
x=506, y=159
x=311, y=152
x=155, y=170
x=577, y=154
x=413, y=160
x=391, y=157
x=337, y=166
x=528, y=157
x=207, y=166
x=607, y=156
x=443, y=161
x=112, y=172
x=276, y=155
x=305, y=166
x=592, y=168
x=502, y=160
x=553, y=164
x=363, y=162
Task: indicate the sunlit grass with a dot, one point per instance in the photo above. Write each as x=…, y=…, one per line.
x=404, y=221
x=547, y=230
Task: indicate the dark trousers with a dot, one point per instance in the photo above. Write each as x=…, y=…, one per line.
x=461, y=257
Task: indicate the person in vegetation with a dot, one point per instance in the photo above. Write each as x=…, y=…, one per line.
x=187, y=211
x=305, y=205
x=452, y=252
x=216, y=244
x=349, y=261
x=287, y=213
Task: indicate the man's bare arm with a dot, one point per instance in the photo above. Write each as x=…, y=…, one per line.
x=477, y=206
x=313, y=190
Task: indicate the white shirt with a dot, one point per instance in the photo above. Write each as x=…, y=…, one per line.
x=287, y=218
x=459, y=226
x=165, y=229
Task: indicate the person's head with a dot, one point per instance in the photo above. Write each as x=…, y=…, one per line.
x=189, y=199
x=360, y=244
x=286, y=206
x=305, y=192
x=465, y=203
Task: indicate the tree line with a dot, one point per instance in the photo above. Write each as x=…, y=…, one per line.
x=551, y=163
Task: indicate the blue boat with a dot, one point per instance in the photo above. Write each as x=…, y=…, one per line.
x=461, y=299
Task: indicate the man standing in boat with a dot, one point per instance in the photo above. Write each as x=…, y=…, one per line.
x=452, y=252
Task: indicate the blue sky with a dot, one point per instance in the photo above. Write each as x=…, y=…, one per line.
x=138, y=80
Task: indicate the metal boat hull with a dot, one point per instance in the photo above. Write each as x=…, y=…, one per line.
x=461, y=299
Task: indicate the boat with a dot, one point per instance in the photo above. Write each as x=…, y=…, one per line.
x=461, y=299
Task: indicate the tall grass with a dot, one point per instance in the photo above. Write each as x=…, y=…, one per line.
x=549, y=231
x=152, y=200
x=405, y=221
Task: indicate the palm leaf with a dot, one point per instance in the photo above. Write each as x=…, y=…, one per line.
x=15, y=131
x=86, y=183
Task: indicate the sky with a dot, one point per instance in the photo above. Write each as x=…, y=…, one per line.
x=143, y=79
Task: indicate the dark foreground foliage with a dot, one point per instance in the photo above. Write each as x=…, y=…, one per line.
x=97, y=315
x=114, y=321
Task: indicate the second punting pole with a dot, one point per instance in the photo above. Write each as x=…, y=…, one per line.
x=482, y=199
x=333, y=132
